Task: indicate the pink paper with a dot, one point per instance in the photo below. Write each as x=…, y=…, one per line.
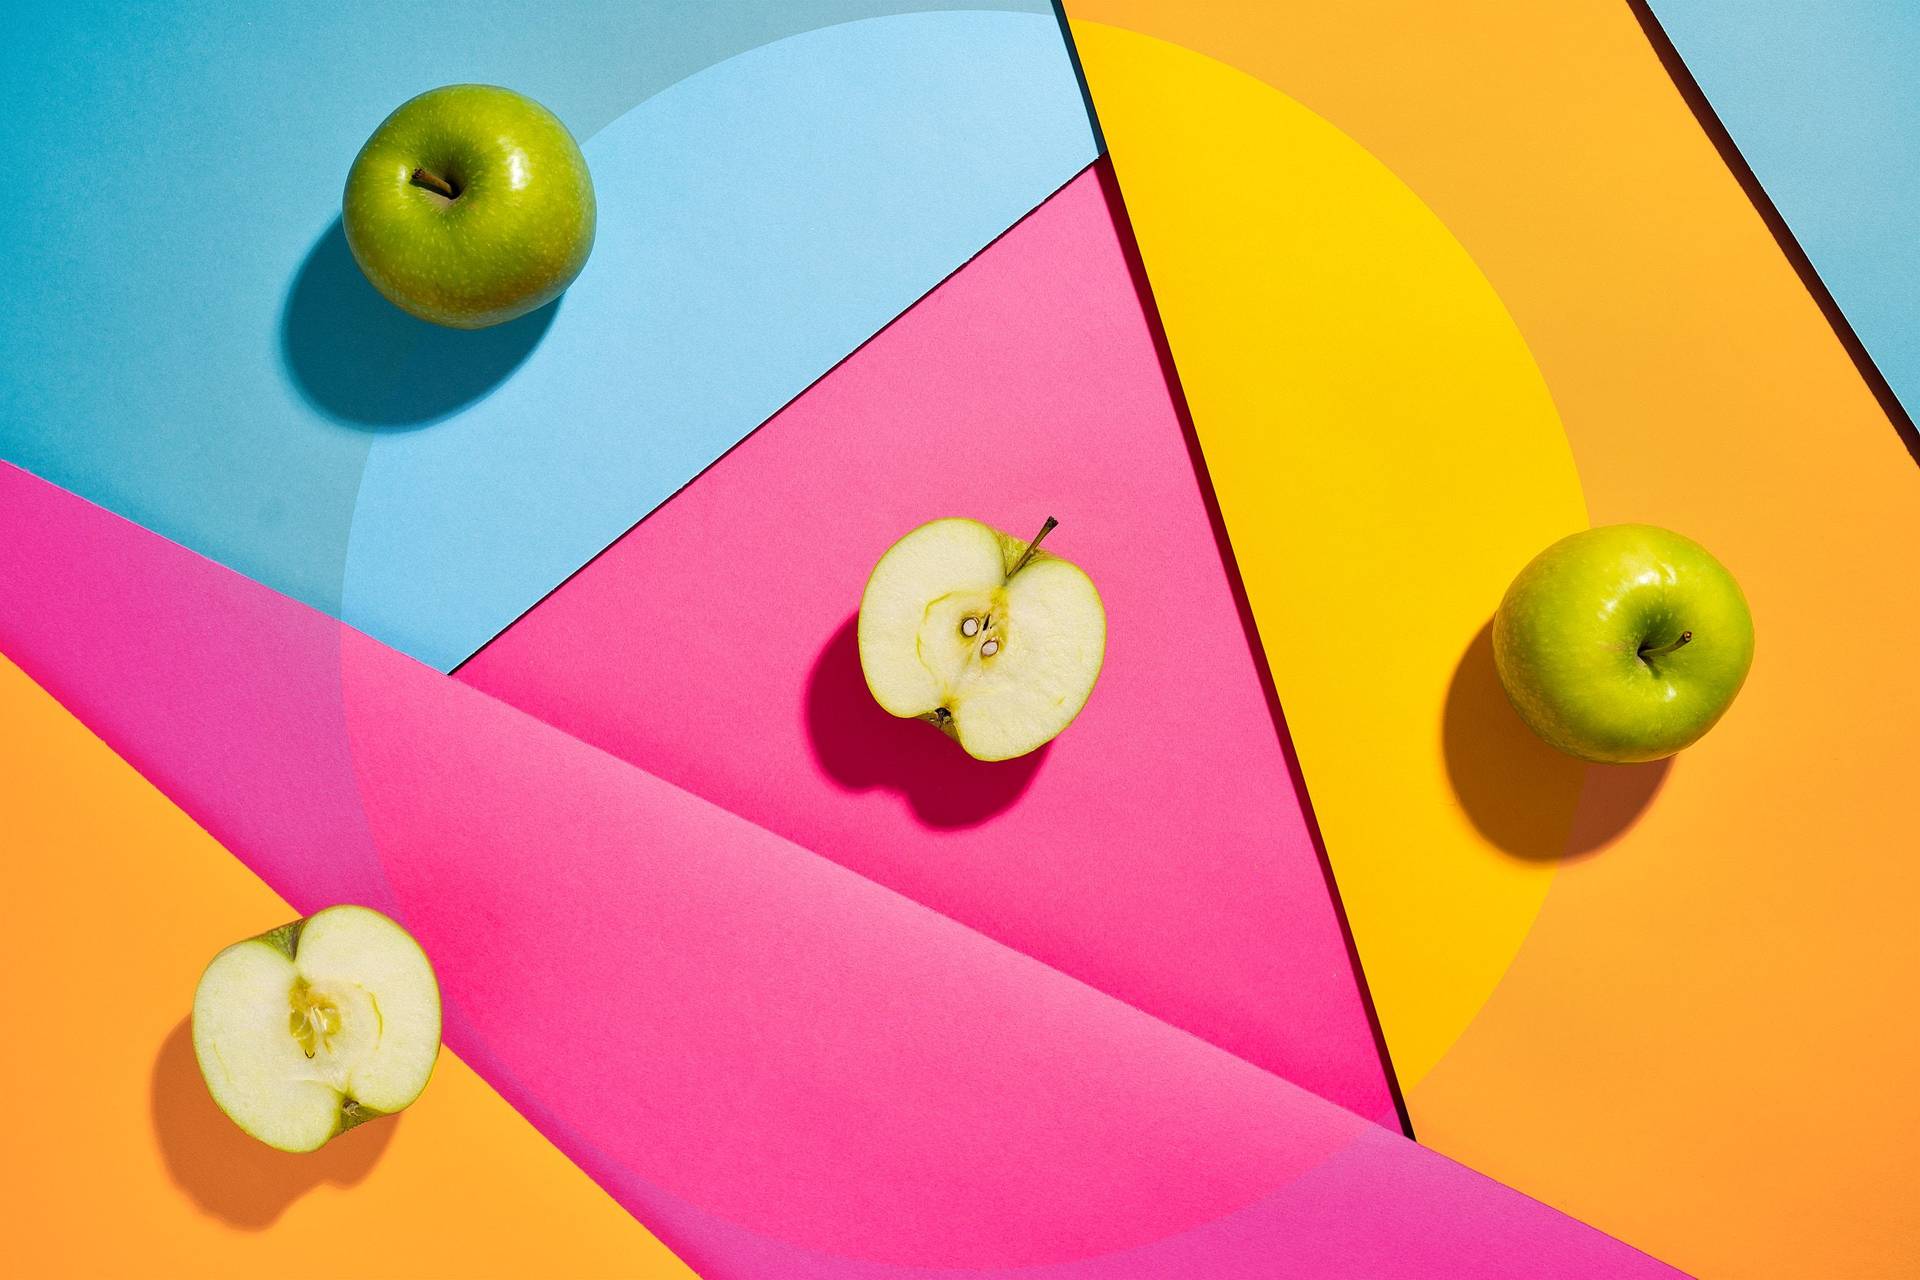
x=1157, y=850
x=783, y=1068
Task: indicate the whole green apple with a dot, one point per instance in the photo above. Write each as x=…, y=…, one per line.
x=470, y=205
x=1623, y=643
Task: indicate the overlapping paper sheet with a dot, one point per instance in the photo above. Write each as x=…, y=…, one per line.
x=1443, y=284
x=184, y=337
x=781, y=1064
x=112, y=889
x=1160, y=851
x=1821, y=100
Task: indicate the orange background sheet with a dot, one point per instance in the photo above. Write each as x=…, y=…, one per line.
x=116, y=1156
x=1444, y=283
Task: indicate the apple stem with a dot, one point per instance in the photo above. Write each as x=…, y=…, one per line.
x=1033, y=546
x=1686, y=637
x=434, y=183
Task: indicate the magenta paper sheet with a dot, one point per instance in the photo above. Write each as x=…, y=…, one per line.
x=1158, y=850
x=781, y=1067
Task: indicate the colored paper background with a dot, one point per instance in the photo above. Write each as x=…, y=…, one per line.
x=1660, y=998
x=187, y=341
x=116, y=1161
x=1821, y=99
x=1158, y=850
x=782, y=1067
x=1601, y=988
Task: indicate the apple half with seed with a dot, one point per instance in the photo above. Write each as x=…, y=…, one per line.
x=317, y=1026
x=990, y=639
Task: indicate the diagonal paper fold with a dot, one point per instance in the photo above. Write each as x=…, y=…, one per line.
x=1161, y=849
x=783, y=1068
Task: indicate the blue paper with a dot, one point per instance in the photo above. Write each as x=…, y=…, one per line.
x=1822, y=97
x=184, y=339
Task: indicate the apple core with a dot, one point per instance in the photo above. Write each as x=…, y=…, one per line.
x=317, y=1026
x=988, y=638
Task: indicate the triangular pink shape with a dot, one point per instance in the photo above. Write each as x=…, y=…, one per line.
x=1159, y=849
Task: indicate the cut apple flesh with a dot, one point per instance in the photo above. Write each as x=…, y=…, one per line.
x=306, y=1031
x=996, y=644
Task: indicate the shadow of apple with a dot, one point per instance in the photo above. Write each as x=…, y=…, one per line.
x=861, y=747
x=229, y=1175
x=1525, y=797
x=361, y=360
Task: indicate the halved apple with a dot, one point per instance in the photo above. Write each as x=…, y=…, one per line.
x=317, y=1026
x=987, y=637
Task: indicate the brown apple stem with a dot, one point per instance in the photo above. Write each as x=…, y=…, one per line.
x=1665, y=649
x=1033, y=546
x=434, y=183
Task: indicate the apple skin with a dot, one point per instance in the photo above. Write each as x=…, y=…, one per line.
x=516, y=233
x=1588, y=643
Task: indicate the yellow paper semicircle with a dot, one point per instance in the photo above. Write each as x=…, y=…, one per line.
x=1386, y=456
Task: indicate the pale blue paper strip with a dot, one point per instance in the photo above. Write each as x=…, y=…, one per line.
x=184, y=339
x=1822, y=97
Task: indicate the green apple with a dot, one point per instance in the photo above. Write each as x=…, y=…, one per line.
x=1623, y=643
x=988, y=638
x=470, y=205
x=317, y=1026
